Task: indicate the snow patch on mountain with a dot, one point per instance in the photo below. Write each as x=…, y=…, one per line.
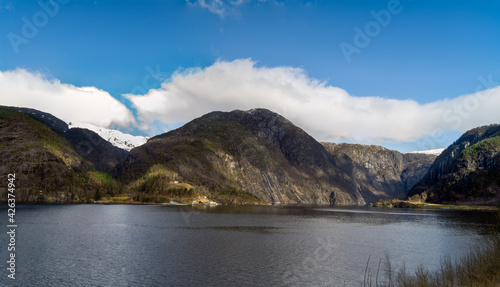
x=115, y=137
x=437, y=151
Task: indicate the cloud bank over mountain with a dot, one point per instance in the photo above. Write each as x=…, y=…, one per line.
x=328, y=113
x=81, y=104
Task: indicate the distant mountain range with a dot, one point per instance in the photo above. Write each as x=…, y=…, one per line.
x=254, y=156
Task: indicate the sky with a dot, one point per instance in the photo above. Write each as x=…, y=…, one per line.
x=407, y=75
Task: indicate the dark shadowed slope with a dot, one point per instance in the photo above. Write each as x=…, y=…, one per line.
x=467, y=171
x=99, y=153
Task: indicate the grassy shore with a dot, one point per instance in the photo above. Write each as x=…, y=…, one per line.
x=480, y=267
x=398, y=203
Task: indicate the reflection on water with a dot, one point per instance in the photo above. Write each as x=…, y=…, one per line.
x=135, y=245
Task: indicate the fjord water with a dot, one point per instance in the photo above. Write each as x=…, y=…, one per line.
x=147, y=245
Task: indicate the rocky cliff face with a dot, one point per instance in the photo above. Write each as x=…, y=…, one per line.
x=262, y=153
x=380, y=172
x=467, y=171
x=415, y=166
x=257, y=151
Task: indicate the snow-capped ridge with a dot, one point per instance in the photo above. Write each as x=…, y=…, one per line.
x=437, y=151
x=115, y=137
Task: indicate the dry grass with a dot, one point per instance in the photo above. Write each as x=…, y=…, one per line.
x=480, y=267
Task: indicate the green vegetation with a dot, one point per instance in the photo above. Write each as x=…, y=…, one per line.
x=183, y=195
x=117, y=199
x=487, y=146
x=466, y=171
x=61, y=150
x=103, y=177
x=233, y=196
x=160, y=185
x=193, y=149
x=472, y=176
x=399, y=203
x=480, y=267
x=396, y=203
x=4, y=114
x=103, y=184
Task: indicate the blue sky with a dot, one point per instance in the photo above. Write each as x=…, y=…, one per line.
x=422, y=54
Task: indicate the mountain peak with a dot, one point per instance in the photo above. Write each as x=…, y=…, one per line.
x=257, y=114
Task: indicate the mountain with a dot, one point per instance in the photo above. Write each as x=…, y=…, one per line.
x=261, y=153
x=258, y=152
x=52, y=122
x=47, y=166
x=254, y=156
x=98, y=153
x=380, y=171
x=467, y=171
x=115, y=137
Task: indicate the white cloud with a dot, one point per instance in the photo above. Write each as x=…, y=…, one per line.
x=326, y=112
x=82, y=104
x=222, y=8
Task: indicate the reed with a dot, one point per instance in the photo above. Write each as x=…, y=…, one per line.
x=480, y=267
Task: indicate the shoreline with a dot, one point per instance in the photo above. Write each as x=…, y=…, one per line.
x=395, y=203
x=398, y=203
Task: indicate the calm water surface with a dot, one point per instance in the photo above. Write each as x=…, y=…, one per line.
x=137, y=245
